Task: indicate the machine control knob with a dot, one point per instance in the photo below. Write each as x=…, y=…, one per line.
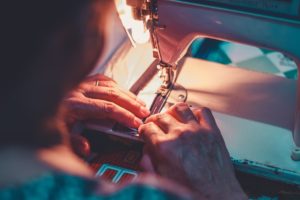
x=296, y=154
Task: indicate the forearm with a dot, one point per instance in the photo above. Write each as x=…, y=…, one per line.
x=227, y=191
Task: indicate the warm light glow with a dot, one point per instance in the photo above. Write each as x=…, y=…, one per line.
x=134, y=28
x=139, y=33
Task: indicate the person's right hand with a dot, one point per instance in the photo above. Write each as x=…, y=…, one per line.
x=99, y=97
x=187, y=147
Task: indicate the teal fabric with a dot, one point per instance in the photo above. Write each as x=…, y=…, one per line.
x=66, y=187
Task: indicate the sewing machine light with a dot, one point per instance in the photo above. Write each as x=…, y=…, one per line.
x=135, y=29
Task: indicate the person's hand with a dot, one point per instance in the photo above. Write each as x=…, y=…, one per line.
x=187, y=146
x=99, y=97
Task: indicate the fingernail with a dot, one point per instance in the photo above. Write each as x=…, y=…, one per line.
x=141, y=102
x=137, y=122
x=145, y=111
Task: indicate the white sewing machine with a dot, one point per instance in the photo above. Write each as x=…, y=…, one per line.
x=258, y=113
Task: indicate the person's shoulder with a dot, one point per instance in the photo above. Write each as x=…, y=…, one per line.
x=146, y=187
x=52, y=185
x=64, y=186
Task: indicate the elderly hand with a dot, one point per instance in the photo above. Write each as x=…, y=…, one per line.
x=99, y=97
x=187, y=146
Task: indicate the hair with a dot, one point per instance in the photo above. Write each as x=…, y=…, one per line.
x=32, y=81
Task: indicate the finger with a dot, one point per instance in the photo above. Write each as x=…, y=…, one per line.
x=114, y=85
x=87, y=109
x=183, y=113
x=131, y=95
x=205, y=117
x=80, y=145
x=165, y=121
x=197, y=114
x=109, y=82
x=151, y=133
x=119, y=114
x=119, y=98
x=99, y=80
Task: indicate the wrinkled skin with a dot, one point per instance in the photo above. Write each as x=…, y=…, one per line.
x=187, y=147
x=104, y=101
x=181, y=144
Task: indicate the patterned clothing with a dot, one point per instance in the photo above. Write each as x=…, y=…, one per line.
x=59, y=186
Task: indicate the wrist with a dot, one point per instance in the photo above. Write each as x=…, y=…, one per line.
x=219, y=195
x=234, y=194
x=226, y=191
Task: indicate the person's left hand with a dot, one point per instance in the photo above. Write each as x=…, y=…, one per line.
x=99, y=97
x=187, y=147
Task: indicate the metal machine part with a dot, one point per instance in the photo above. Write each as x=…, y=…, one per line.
x=270, y=24
x=171, y=31
x=146, y=11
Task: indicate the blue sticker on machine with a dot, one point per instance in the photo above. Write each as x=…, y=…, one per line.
x=116, y=174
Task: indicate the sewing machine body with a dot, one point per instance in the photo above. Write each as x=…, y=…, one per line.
x=256, y=112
